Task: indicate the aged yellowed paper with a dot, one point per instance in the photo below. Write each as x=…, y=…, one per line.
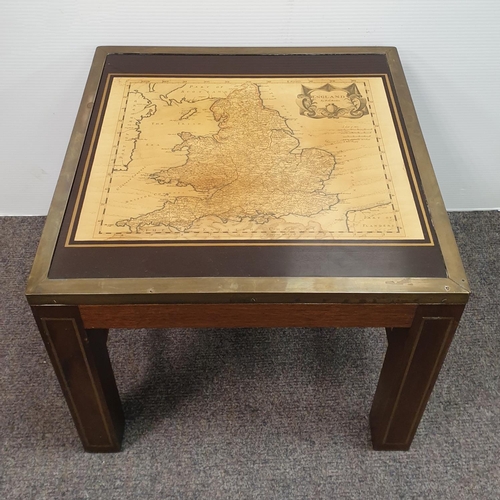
x=233, y=159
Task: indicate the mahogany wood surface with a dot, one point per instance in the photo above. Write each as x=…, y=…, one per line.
x=411, y=366
x=81, y=362
x=246, y=315
x=416, y=350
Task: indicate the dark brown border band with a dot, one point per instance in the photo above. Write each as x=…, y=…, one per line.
x=254, y=259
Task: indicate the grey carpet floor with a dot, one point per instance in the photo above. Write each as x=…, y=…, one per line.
x=254, y=413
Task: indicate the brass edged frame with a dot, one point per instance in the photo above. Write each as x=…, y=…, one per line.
x=453, y=289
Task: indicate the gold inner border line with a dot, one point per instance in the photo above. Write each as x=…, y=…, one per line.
x=251, y=243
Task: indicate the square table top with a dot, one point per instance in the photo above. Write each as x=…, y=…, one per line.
x=235, y=175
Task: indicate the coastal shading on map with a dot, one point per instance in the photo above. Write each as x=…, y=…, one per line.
x=247, y=159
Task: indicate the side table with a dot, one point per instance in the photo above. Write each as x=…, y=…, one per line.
x=247, y=188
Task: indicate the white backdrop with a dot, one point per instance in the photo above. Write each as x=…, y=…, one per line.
x=449, y=49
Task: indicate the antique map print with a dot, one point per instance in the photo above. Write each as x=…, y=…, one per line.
x=185, y=159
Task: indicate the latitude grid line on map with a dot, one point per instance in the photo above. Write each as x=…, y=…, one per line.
x=115, y=147
x=386, y=167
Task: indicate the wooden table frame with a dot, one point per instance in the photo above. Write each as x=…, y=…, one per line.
x=420, y=314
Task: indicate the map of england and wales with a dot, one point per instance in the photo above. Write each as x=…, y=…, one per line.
x=240, y=160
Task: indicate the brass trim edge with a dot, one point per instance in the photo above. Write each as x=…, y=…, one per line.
x=435, y=202
x=50, y=234
x=219, y=290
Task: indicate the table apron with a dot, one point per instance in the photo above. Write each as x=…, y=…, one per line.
x=247, y=315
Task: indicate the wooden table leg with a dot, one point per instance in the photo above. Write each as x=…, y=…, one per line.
x=411, y=366
x=81, y=362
